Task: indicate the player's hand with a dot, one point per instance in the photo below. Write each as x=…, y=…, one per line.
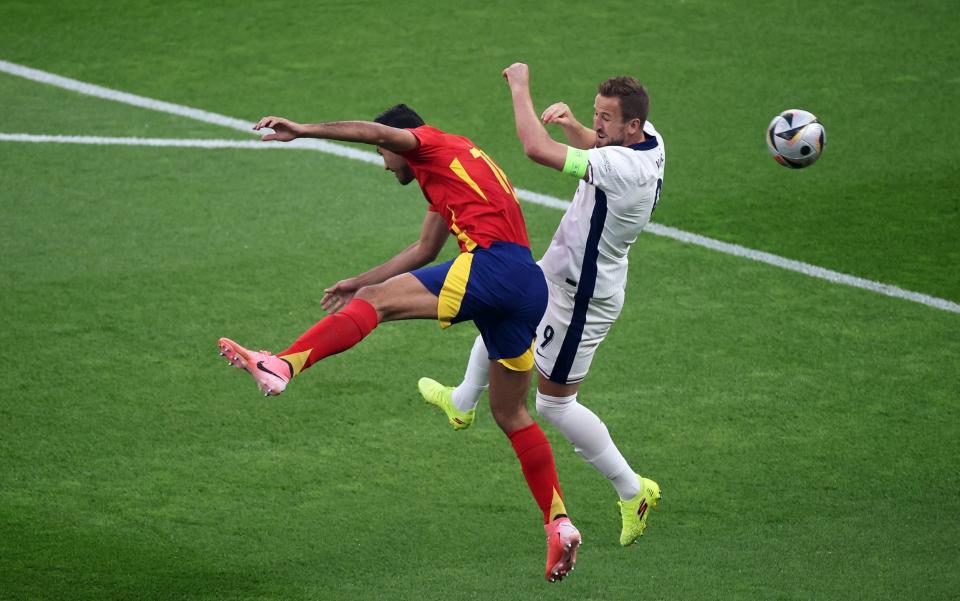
x=337, y=296
x=517, y=74
x=284, y=130
x=558, y=113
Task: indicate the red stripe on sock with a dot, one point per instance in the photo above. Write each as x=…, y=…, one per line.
x=536, y=460
x=337, y=332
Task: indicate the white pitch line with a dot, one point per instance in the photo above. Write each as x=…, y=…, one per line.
x=245, y=126
x=158, y=142
x=805, y=268
x=370, y=157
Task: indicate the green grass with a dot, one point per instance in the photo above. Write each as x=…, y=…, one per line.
x=29, y=107
x=883, y=77
x=805, y=434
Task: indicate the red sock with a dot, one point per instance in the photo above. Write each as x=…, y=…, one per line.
x=331, y=335
x=536, y=461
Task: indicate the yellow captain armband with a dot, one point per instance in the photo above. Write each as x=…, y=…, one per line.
x=576, y=163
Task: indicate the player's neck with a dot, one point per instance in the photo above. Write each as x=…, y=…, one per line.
x=640, y=137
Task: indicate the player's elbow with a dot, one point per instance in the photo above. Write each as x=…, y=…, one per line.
x=535, y=151
x=383, y=139
x=540, y=148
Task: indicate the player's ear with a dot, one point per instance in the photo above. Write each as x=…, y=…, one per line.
x=634, y=126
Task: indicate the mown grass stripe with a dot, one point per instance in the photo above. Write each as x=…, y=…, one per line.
x=370, y=157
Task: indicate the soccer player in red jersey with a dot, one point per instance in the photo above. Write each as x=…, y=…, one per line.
x=494, y=282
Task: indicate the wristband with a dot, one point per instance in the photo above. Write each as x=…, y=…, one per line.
x=576, y=163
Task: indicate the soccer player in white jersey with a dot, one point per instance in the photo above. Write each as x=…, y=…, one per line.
x=620, y=164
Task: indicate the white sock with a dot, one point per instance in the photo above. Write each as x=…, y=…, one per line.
x=475, y=379
x=590, y=439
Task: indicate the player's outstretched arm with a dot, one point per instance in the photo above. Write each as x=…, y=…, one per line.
x=364, y=132
x=433, y=235
x=537, y=143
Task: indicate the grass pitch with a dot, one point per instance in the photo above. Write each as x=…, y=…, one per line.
x=805, y=434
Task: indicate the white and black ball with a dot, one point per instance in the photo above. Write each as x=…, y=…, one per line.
x=796, y=138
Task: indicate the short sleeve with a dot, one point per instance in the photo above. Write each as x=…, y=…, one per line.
x=611, y=169
x=430, y=138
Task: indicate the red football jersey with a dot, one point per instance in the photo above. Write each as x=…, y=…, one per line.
x=467, y=188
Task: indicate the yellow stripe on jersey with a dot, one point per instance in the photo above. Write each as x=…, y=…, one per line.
x=454, y=287
x=522, y=363
x=462, y=174
x=461, y=235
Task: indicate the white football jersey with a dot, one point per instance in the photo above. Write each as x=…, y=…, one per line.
x=588, y=254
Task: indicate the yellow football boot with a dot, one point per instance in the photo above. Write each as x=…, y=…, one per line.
x=634, y=512
x=440, y=396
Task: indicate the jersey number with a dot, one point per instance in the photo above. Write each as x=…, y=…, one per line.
x=656, y=195
x=476, y=153
x=547, y=336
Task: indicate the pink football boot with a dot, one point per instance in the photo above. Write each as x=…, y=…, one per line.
x=563, y=539
x=271, y=372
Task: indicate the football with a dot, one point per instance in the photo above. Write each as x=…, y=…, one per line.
x=796, y=138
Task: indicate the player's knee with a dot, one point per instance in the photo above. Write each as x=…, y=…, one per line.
x=372, y=294
x=510, y=418
x=379, y=297
x=552, y=408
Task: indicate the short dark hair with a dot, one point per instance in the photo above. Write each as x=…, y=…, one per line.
x=634, y=102
x=400, y=116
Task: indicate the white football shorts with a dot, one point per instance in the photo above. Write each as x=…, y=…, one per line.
x=570, y=332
